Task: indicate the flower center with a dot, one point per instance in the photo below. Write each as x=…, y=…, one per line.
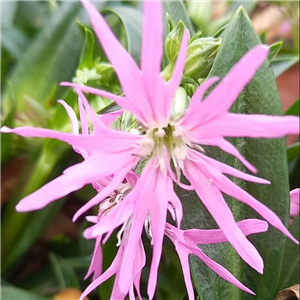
x=169, y=139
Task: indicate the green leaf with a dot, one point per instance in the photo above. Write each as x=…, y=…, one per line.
x=25, y=228
x=293, y=110
x=13, y=293
x=263, y=37
x=293, y=151
x=177, y=12
x=51, y=58
x=289, y=272
x=86, y=58
x=269, y=155
x=274, y=49
x=14, y=41
x=8, y=12
x=283, y=62
x=132, y=20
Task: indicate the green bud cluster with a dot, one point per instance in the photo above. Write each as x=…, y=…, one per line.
x=201, y=53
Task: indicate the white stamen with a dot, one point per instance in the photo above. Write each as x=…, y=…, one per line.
x=148, y=229
x=160, y=133
x=179, y=152
x=120, y=232
x=134, y=131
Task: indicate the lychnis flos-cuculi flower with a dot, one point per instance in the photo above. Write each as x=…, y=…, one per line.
x=169, y=146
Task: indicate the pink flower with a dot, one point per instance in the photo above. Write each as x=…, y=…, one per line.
x=162, y=138
x=186, y=242
x=294, y=207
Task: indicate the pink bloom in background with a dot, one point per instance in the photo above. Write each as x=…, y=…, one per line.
x=111, y=155
x=294, y=207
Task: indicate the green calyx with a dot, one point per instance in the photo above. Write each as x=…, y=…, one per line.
x=201, y=54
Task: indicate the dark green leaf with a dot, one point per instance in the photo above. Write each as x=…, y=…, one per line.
x=289, y=272
x=259, y=97
x=132, y=20
x=283, y=62
x=274, y=49
x=110, y=108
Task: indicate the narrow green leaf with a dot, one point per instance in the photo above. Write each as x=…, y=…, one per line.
x=25, y=228
x=263, y=37
x=283, y=62
x=132, y=20
x=177, y=12
x=51, y=58
x=269, y=155
x=293, y=110
x=58, y=271
x=13, y=293
x=86, y=58
x=274, y=49
x=14, y=41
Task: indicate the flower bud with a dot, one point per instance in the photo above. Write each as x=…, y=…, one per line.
x=173, y=42
x=200, y=57
x=180, y=102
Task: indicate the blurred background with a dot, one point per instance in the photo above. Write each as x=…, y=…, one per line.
x=44, y=255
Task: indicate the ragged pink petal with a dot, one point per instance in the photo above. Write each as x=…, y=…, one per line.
x=115, y=141
x=82, y=174
x=158, y=213
x=294, y=207
x=228, y=90
x=128, y=72
x=228, y=187
x=105, y=192
x=213, y=200
x=72, y=116
x=191, y=118
x=221, y=271
x=226, y=169
x=255, y=126
x=177, y=73
x=212, y=236
x=186, y=245
x=113, y=269
x=96, y=262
